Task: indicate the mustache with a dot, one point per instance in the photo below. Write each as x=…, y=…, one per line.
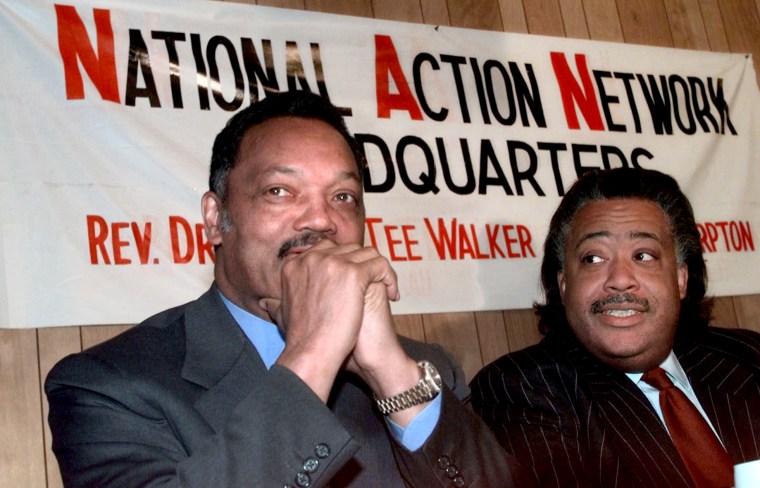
x=617, y=299
x=308, y=239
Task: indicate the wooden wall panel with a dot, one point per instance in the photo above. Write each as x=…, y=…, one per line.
x=574, y=19
x=359, y=8
x=724, y=313
x=492, y=335
x=292, y=4
x=748, y=311
x=544, y=18
x=475, y=338
x=603, y=20
x=742, y=26
x=513, y=16
x=458, y=333
x=435, y=12
x=475, y=14
x=714, y=28
x=22, y=449
x=686, y=24
x=645, y=22
x=404, y=10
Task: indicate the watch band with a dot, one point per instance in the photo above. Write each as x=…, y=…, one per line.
x=425, y=390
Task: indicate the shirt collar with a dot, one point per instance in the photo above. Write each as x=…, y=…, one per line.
x=672, y=367
x=265, y=336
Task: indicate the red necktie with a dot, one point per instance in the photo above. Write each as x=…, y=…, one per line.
x=706, y=460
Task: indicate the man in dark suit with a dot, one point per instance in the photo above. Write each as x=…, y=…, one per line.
x=624, y=281
x=288, y=371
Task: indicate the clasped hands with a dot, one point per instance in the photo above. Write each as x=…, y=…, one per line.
x=335, y=312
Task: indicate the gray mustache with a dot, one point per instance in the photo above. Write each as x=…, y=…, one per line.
x=617, y=299
x=303, y=240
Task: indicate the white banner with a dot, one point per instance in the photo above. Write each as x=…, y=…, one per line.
x=110, y=109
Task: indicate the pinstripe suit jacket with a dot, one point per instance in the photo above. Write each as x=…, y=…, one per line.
x=578, y=423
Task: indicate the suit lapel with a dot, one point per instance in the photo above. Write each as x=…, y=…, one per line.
x=727, y=388
x=218, y=357
x=631, y=426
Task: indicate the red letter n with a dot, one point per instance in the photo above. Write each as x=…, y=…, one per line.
x=74, y=44
x=571, y=92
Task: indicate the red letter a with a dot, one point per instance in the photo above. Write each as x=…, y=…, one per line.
x=584, y=97
x=73, y=43
x=386, y=63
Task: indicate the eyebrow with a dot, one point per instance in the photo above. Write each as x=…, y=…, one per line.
x=287, y=170
x=637, y=234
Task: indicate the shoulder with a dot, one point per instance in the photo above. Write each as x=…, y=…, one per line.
x=525, y=364
x=555, y=369
x=517, y=365
x=741, y=346
x=157, y=344
x=532, y=371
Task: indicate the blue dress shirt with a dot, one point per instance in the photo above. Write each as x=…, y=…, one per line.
x=268, y=340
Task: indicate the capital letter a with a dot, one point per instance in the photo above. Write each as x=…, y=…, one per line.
x=386, y=64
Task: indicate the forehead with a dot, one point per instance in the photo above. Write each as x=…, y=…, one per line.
x=619, y=218
x=293, y=143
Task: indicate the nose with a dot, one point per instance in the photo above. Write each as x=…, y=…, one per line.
x=318, y=216
x=621, y=275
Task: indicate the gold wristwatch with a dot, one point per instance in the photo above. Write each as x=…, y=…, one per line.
x=424, y=391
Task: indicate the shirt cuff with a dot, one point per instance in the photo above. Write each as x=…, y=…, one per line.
x=420, y=428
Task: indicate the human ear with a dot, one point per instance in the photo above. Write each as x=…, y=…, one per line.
x=561, y=283
x=682, y=275
x=211, y=208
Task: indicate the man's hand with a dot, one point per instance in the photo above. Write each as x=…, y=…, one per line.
x=322, y=308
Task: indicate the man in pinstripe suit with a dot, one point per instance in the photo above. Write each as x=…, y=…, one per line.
x=624, y=281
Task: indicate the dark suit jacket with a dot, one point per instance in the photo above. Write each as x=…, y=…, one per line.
x=579, y=423
x=184, y=399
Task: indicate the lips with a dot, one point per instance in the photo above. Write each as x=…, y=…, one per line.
x=299, y=244
x=620, y=313
x=621, y=305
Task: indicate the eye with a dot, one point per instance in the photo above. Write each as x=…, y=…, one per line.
x=277, y=191
x=591, y=259
x=346, y=197
x=644, y=256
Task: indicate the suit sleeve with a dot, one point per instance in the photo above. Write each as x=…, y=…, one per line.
x=107, y=433
x=529, y=410
x=461, y=450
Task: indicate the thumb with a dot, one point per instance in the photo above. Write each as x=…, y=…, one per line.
x=272, y=307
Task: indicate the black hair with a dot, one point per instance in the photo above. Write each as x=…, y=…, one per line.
x=626, y=183
x=298, y=103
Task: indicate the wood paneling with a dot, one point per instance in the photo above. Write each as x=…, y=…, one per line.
x=724, y=313
x=476, y=338
x=574, y=19
x=475, y=14
x=22, y=450
x=458, y=333
x=513, y=16
x=603, y=20
x=544, y=17
x=686, y=24
x=644, y=22
x=748, y=311
x=492, y=335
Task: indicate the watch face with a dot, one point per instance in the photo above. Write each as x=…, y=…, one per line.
x=432, y=374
